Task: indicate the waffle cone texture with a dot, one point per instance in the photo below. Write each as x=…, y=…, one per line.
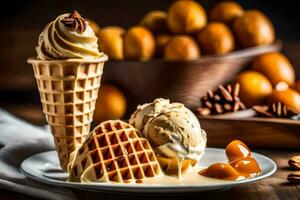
x=114, y=151
x=68, y=92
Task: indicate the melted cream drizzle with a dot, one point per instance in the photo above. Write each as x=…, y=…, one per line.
x=188, y=178
x=179, y=164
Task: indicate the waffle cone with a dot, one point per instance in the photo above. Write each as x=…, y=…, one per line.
x=68, y=92
x=114, y=151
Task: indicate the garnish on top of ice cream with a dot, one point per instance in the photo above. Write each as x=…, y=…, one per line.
x=173, y=130
x=68, y=36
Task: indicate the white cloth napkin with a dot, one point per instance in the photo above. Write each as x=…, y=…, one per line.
x=18, y=141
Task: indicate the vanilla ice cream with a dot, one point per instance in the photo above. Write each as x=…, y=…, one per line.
x=68, y=36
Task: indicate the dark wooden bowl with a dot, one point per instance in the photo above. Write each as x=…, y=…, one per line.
x=183, y=82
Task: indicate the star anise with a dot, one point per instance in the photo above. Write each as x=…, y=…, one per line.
x=75, y=21
x=277, y=109
x=221, y=101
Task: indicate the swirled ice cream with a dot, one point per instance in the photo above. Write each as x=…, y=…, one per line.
x=68, y=36
x=172, y=129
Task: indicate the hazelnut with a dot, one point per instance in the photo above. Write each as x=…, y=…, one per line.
x=186, y=16
x=216, y=38
x=111, y=42
x=253, y=29
x=139, y=44
x=226, y=12
x=181, y=47
x=155, y=21
x=276, y=67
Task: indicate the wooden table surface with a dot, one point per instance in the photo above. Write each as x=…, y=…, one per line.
x=275, y=187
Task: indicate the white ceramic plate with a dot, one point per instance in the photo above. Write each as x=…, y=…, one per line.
x=44, y=167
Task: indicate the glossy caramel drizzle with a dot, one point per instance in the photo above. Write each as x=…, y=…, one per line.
x=240, y=164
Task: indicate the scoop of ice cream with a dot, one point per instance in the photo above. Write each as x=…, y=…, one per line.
x=171, y=128
x=177, y=133
x=148, y=111
x=68, y=36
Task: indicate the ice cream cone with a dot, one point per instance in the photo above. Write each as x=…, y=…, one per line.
x=68, y=91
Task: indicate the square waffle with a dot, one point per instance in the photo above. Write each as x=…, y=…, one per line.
x=114, y=151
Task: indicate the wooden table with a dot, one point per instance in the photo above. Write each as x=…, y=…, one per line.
x=275, y=187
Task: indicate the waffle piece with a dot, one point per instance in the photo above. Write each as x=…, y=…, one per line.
x=68, y=91
x=114, y=151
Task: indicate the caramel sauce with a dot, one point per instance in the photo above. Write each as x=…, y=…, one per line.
x=240, y=164
x=221, y=171
x=246, y=167
x=236, y=150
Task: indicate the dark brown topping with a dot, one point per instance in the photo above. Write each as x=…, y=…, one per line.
x=75, y=21
x=225, y=99
x=277, y=109
x=294, y=162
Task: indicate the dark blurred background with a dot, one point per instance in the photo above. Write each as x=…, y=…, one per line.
x=22, y=21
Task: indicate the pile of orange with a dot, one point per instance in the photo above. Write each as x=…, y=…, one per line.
x=271, y=79
x=186, y=32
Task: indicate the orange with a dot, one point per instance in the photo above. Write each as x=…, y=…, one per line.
x=289, y=97
x=216, y=38
x=139, y=44
x=111, y=104
x=186, y=17
x=111, y=42
x=226, y=12
x=155, y=21
x=181, y=47
x=276, y=67
x=253, y=29
x=255, y=88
